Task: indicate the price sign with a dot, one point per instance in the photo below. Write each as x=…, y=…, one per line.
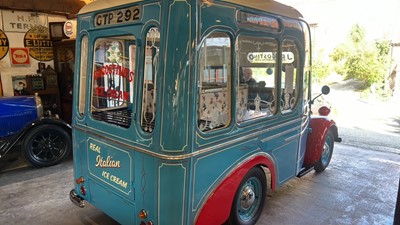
x=119, y=16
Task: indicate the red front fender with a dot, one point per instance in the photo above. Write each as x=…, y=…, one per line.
x=217, y=208
x=320, y=126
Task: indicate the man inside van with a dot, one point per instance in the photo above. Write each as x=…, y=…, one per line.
x=248, y=76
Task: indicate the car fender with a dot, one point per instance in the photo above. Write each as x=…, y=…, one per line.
x=217, y=207
x=15, y=138
x=320, y=125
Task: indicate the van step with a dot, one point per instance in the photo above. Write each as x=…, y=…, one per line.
x=305, y=170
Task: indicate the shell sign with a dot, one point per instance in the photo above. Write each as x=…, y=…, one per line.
x=38, y=41
x=20, y=56
x=4, y=44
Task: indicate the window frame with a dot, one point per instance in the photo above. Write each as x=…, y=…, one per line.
x=277, y=42
x=127, y=77
x=229, y=82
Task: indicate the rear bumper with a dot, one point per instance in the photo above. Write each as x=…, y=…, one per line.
x=78, y=201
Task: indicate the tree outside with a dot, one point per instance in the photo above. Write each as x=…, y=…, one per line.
x=362, y=60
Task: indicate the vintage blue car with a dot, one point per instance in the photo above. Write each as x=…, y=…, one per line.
x=45, y=139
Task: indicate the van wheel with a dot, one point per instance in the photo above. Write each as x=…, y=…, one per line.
x=47, y=145
x=249, y=198
x=327, y=152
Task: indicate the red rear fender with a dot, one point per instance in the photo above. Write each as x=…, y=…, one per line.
x=315, y=140
x=217, y=208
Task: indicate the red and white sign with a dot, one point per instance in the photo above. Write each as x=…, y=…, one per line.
x=20, y=56
x=70, y=28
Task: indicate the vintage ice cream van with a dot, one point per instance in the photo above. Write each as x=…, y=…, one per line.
x=183, y=107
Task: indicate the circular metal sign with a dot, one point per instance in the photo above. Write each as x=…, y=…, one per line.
x=4, y=44
x=38, y=41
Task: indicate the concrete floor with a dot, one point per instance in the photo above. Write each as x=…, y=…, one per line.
x=359, y=187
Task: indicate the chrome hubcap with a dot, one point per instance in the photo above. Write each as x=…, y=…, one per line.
x=247, y=198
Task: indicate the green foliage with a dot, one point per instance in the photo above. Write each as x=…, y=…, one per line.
x=320, y=69
x=359, y=59
x=357, y=34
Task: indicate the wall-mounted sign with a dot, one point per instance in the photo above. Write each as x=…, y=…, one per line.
x=37, y=83
x=4, y=44
x=18, y=21
x=70, y=28
x=38, y=41
x=20, y=56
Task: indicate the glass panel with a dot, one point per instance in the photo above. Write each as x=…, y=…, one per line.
x=255, y=95
x=307, y=63
x=113, y=76
x=290, y=69
x=83, y=75
x=214, y=105
x=149, y=80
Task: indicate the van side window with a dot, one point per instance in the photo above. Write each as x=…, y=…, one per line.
x=149, y=79
x=214, y=101
x=112, y=80
x=290, y=70
x=256, y=81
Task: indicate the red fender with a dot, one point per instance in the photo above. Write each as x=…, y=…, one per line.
x=217, y=208
x=315, y=141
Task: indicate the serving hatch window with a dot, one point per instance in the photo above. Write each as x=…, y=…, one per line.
x=256, y=88
x=112, y=80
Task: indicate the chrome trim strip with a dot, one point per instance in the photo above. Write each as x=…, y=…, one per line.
x=199, y=152
x=294, y=137
x=251, y=135
x=279, y=134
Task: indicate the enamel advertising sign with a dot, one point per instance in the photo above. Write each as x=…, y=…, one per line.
x=38, y=41
x=4, y=44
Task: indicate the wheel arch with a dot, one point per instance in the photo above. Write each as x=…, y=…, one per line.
x=216, y=209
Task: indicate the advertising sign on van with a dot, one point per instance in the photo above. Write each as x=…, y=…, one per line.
x=269, y=57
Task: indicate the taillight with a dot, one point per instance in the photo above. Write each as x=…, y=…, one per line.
x=80, y=180
x=324, y=111
x=143, y=216
x=82, y=189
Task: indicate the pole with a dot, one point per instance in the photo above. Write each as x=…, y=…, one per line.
x=396, y=220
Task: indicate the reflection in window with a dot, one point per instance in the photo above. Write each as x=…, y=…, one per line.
x=255, y=95
x=149, y=81
x=82, y=75
x=290, y=68
x=112, y=81
x=214, y=105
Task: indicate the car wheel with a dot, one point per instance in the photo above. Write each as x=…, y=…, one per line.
x=47, y=145
x=249, y=198
x=326, y=155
